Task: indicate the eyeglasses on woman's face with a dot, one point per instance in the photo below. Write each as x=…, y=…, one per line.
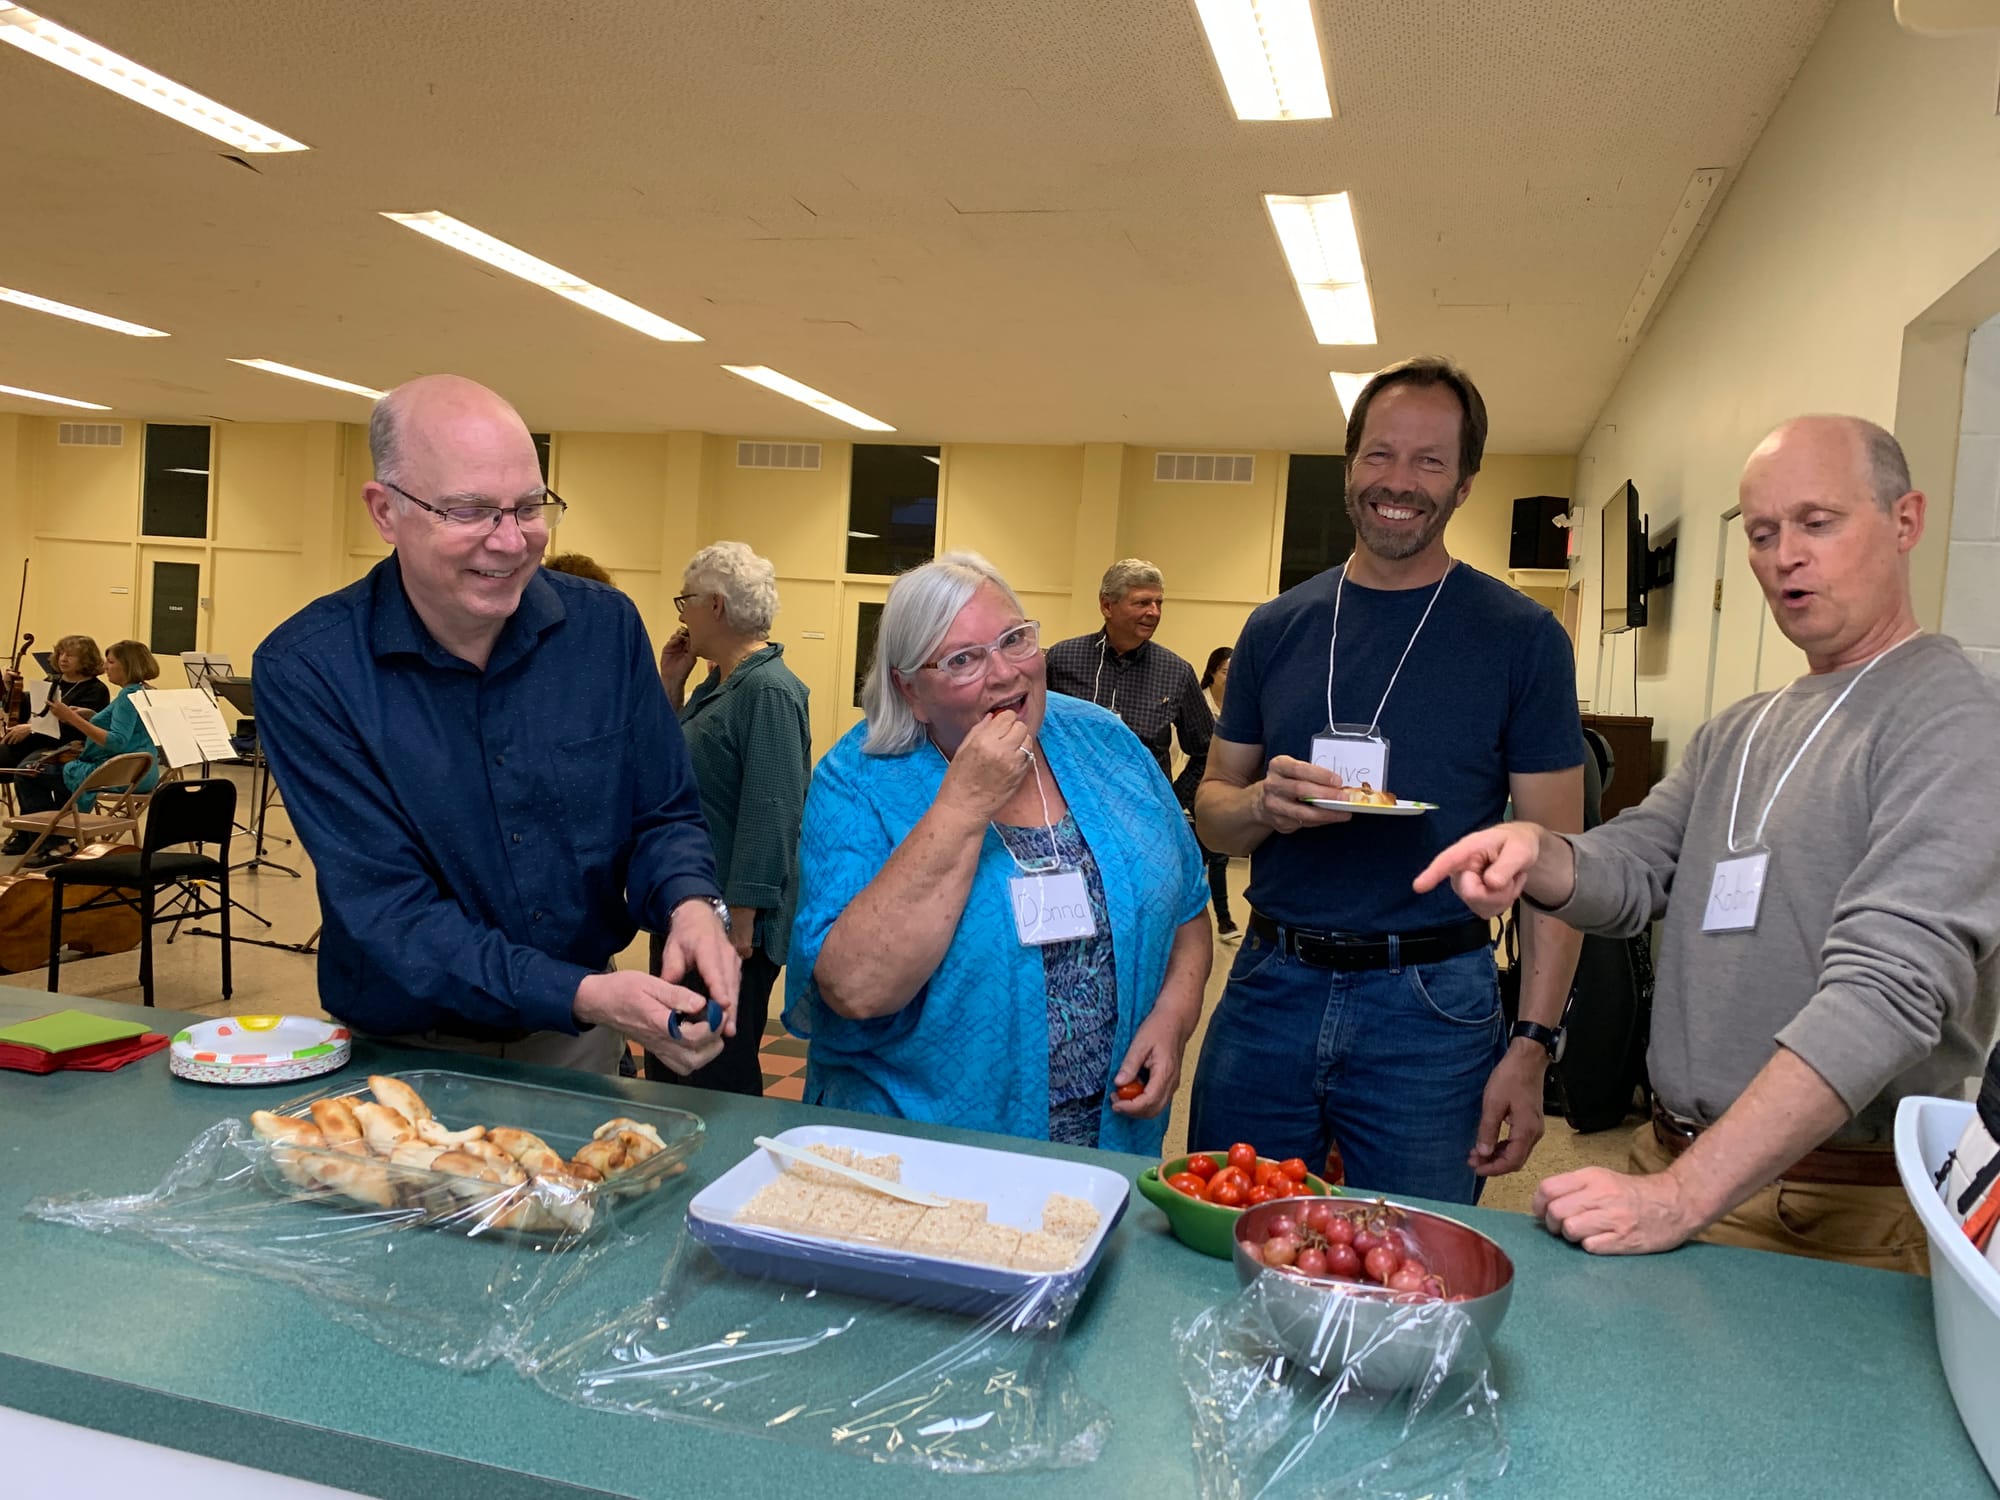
x=968, y=664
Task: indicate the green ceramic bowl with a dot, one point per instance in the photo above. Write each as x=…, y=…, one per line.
x=1207, y=1227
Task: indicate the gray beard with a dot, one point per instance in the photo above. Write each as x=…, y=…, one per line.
x=1394, y=546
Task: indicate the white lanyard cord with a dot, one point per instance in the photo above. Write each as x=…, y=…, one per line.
x=1103, y=646
x=1744, y=764
x=1338, y=589
x=1048, y=818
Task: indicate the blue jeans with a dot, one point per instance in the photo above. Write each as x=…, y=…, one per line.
x=1390, y=1063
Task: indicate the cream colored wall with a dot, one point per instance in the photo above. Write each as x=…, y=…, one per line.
x=1972, y=578
x=1484, y=526
x=1873, y=190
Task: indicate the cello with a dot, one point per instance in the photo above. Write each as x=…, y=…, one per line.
x=25, y=897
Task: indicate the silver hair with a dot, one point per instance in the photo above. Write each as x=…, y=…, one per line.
x=385, y=440
x=746, y=583
x=922, y=604
x=1888, y=469
x=1127, y=574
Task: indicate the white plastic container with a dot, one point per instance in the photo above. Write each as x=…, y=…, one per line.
x=1965, y=1289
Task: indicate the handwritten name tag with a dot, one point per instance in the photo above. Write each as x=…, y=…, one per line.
x=1736, y=892
x=1355, y=758
x=1052, y=908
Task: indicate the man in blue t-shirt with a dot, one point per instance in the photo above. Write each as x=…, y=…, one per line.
x=1359, y=1013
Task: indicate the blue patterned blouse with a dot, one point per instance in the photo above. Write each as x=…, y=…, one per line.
x=972, y=1048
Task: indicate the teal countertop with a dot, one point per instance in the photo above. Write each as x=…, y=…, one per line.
x=1706, y=1372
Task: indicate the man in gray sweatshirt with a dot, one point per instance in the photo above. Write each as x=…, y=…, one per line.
x=1826, y=860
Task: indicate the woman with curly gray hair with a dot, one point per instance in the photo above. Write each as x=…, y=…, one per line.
x=750, y=739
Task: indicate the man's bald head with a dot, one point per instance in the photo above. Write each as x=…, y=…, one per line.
x=412, y=420
x=1877, y=457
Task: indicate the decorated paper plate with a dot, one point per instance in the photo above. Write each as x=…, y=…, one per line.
x=1400, y=810
x=259, y=1049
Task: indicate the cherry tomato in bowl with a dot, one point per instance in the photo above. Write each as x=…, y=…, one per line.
x=1183, y=1188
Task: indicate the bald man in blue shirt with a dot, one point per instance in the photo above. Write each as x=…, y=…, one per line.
x=480, y=759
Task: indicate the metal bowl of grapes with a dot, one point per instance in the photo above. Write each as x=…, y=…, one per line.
x=1345, y=1269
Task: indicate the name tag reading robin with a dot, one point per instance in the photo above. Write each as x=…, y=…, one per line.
x=1357, y=757
x=1051, y=907
x=1736, y=892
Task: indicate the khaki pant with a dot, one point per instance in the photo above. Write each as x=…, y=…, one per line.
x=1863, y=1226
x=592, y=1051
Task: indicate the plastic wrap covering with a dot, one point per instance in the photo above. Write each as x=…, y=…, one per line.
x=1299, y=1393
x=449, y=1230
x=803, y=1362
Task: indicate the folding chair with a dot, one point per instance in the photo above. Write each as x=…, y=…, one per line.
x=116, y=810
x=182, y=812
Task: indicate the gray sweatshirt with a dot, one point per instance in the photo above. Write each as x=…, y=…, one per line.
x=1873, y=958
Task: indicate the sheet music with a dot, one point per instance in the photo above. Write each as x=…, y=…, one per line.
x=40, y=720
x=185, y=724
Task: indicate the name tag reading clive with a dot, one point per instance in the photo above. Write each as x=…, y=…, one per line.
x=1052, y=907
x=1357, y=757
x=1736, y=892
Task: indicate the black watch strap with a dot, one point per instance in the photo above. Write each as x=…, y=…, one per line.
x=1550, y=1037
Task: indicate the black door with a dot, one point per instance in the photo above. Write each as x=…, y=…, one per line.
x=176, y=592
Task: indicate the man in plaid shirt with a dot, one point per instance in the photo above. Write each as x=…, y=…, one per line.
x=1122, y=668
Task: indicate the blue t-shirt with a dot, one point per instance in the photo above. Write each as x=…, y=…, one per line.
x=1489, y=689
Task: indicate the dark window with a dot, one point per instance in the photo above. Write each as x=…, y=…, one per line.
x=1318, y=533
x=174, y=501
x=891, y=508
x=866, y=625
x=542, y=453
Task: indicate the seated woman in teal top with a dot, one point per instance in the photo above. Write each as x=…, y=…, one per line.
x=1002, y=915
x=115, y=729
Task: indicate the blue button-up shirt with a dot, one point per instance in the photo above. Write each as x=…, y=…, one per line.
x=484, y=840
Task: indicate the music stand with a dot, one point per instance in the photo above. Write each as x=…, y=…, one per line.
x=46, y=660
x=203, y=670
x=239, y=695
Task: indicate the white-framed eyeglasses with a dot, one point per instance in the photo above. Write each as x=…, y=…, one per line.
x=970, y=663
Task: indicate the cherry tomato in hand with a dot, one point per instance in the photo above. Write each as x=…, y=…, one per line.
x=1186, y=1182
x=1293, y=1168
x=1243, y=1156
x=1202, y=1165
x=1130, y=1091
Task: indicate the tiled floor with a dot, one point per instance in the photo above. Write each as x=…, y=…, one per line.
x=187, y=977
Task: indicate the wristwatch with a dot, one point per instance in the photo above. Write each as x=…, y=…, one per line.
x=1555, y=1038
x=721, y=909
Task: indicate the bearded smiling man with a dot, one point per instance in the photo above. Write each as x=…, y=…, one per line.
x=1358, y=1011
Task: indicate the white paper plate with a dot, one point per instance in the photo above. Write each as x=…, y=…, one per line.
x=259, y=1049
x=1400, y=810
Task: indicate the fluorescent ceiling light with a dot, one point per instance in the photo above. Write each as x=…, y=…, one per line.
x=42, y=38
x=80, y=314
x=1348, y=387
x=15, y=390
x=784, y=385
x=295, y=373
x=1324, y=253
x=480, y=245
x=1268, y=51
x=866, y=536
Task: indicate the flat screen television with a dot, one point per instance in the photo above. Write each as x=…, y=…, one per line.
x=1623, y=578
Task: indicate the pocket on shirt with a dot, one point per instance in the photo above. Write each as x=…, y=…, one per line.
x=586, y=783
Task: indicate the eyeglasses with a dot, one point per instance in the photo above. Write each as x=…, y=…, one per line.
x=682, y=601
x=532, y=516
x=970, y=663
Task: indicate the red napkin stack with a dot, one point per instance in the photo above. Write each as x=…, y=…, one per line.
x=75, y=1040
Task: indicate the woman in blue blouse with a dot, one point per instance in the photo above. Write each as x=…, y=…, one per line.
x=113, y=730
x=1002, y=915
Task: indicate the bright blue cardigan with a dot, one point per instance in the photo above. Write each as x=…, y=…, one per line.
x=971, y=1048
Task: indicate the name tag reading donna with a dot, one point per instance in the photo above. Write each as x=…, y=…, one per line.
x=1736, y=892
x=1052, y=908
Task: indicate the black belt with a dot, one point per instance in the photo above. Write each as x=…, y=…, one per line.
x=1373, y=950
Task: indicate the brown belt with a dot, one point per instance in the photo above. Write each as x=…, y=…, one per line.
x=1829, y=1166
